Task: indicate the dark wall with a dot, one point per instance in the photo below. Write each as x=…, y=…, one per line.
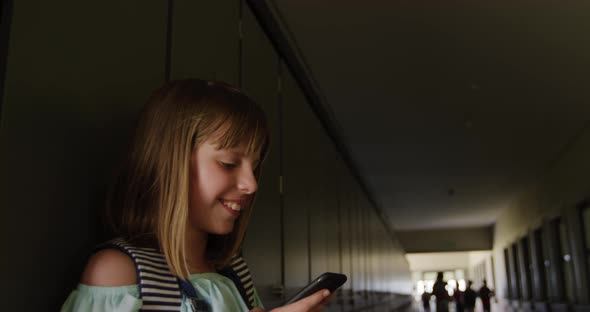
x=77, y=74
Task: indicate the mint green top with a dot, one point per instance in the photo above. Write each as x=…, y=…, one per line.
x=218, y=290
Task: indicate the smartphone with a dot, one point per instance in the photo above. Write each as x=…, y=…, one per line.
x=328, y=280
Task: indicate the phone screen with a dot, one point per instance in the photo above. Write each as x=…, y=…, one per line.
x=328, y=280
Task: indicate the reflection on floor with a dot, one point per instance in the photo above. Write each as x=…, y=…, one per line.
x=417, y=307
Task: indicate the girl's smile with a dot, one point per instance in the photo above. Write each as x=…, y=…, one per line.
x=234, y=206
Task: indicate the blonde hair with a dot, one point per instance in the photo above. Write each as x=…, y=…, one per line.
x=148, y=204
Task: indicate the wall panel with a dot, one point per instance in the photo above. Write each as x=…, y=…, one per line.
x=74, y=85
x=378, y=254
x=357, y=268
x=324, y=222
x=205, y=40
x=299, y=126
x=523, y=260
x=345, y=229
x=332, y=217
x=262, y=246
x=77, y=75
x=537, y=265
x=319, y=201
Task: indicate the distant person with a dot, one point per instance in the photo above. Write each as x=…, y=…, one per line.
x=440, y=292
x=458, y=298
x=469, y=297
x=485, y=295
x=426, y=300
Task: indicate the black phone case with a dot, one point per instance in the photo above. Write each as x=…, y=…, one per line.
x=328, y=280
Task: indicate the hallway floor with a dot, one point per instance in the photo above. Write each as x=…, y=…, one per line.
x=417, y=307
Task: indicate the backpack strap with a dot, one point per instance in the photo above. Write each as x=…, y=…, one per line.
x=158, y=287
x=239, y=273
x=161, y=291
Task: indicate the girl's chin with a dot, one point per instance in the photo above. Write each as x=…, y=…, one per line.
x=218, y=229
x=223, y=230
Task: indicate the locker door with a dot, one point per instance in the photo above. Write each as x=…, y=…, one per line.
x=332, y=222
x=323, y=215
x=523, y=258
x=356, y=249
x=538, y=265
x=364, y=213
x=299, y=129
x=346, y=237
x=78, y=73
x=205, y=40
x=322, y=198
x=262, y=246
x=375, y=253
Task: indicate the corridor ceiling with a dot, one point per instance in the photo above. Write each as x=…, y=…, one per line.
x=450, y=109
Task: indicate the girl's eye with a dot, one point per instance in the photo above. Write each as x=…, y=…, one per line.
x=228, y=165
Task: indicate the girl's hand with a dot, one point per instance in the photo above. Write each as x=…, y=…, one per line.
x=311, y=303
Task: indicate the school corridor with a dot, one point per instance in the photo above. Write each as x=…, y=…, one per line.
x=409, y=139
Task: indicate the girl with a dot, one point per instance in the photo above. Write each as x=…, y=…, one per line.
x=181, y=207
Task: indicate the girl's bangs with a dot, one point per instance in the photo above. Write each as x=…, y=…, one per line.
x=248, y=129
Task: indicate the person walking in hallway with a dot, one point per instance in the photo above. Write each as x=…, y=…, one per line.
x=440, y=292
x=469, y=297
x=485, y=295
x=459, y=299
x=426, y=301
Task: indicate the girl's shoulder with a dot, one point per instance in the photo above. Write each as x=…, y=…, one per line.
x=109, y=267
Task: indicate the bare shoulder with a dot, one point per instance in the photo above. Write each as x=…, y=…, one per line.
x=109, y=267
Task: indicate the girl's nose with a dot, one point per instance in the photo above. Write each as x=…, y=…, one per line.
x=247, y=183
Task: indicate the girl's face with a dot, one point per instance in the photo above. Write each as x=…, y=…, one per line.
x=222, y=184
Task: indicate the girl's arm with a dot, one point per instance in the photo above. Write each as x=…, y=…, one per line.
x=107, y=284
x=109, y=267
